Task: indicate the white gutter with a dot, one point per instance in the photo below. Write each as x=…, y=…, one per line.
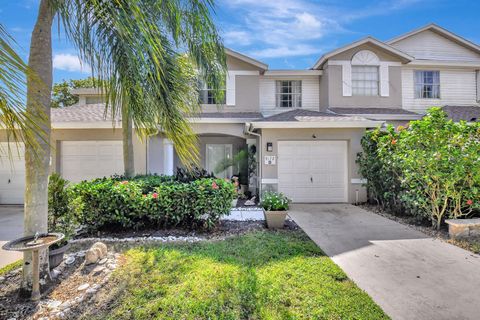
x=87, y=125
x=293, y=73
x=220, y=120
x=316, y=124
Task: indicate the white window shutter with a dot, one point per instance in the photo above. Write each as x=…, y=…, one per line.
x=384, y=80
x=230, y=88
x=347, y=79
x=478, y=85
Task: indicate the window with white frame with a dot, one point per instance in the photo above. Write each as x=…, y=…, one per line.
x=289, y=94
x=427, y=84
x=365, y=80
x=207, y=94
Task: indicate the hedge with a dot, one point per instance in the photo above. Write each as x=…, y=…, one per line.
x=153, y=201
x=429, y=169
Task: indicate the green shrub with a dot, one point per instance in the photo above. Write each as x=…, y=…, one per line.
x=274, y=201
x=108, y=202
x=431, y=168
x=61, y=217
x=189, y=175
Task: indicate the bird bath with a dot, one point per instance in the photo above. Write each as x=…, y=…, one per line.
x=34, y=244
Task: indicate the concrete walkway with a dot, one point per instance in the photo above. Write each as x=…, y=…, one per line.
x=411, y=276
x=11, y=227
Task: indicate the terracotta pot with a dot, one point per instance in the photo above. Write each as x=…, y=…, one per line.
x=275, y=219
x=55, y=257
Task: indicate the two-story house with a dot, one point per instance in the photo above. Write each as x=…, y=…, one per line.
x=303, y=126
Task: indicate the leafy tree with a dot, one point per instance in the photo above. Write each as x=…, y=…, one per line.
x=62, y=92
x=133, y=47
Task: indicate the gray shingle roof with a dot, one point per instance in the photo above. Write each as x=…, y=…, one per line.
x=292, y=115
x=379, y=111
x=467, y=113
x=83, y=113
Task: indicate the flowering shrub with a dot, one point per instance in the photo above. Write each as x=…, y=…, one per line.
x=430, y=169
x=111, y=202
x=274, y=201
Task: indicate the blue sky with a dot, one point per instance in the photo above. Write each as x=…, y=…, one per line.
x=286, y=34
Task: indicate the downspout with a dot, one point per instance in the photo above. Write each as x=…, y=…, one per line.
x=248, y=131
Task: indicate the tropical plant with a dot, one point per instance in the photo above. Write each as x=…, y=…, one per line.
x=134, y=48
x=239, y=162
x=430, y=168
x=275, y=201
x=192, y=174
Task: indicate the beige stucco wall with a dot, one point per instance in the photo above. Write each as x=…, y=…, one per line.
x=352, y=136
x=336, y=98
x=382, y=54
x=237, y=64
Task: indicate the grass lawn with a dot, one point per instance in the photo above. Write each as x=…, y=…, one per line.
x=12, y=266
x=262, y=275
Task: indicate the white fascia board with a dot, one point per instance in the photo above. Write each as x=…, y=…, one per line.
x=388, y=116
x=293, y=73
x=87, y=125
x=443, y=63
x=316, y=124
x=220, y=120
x=87, y=91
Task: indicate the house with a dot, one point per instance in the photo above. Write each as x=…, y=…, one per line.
x=303, y=126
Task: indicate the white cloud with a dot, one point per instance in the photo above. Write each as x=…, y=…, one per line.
x=287, y=28
x=69, y=62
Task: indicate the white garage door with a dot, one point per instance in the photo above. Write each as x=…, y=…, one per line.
x=12, y=173
x=85, y=160
x=313, y=171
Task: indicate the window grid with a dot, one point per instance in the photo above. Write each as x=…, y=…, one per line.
x=206, y=95
x=289, y=94
x=365, y=80
x=427, y=84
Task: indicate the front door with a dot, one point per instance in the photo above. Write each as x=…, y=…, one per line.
x=217, y=157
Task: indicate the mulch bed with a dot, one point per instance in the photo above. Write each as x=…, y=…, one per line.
x=471, y=244
x=65, y=288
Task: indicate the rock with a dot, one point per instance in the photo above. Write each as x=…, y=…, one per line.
x=81, y=254
x=111, y=266
x=91, y=291
x=54, y=304
x=67, y=304
x=98, y=269
x=102, y=261
x=91, y=256
x=70, y=260
x=83, y=286
x=61, y=315
x=80, y=298
x=55, y=273
x=2, y=279
x=103, y=248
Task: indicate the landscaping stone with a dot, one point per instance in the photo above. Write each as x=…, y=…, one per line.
x=54, y=304
x=83, y=286
x=2, y=279
x=70, y=260
x=98, y=269
x=463, y=228
x=102, y=261
x=55, y=273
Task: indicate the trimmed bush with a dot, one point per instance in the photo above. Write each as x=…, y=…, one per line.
x=430, y=169
x=152, y=201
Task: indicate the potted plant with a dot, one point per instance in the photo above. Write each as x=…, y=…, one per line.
x=61, y=217
x=275, y=206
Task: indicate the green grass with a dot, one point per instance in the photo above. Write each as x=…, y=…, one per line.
x=12, y=266
x=262, y=275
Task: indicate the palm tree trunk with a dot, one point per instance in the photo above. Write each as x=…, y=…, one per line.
x=37, y=160
x=127, y=134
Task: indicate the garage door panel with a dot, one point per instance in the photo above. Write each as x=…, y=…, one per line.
x=12, y=173
x=315, y=172
x=85, y=160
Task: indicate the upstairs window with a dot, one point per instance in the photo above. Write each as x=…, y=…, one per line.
x=289, y=94
x=365, y=80
x=207, y=94
x=427, y=84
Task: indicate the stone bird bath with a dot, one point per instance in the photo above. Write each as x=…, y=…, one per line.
x=34, y=244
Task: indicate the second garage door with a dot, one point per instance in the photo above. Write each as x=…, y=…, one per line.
x=313, y=171
x=84, y=160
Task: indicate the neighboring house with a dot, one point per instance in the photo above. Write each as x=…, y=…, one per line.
x=305, y=125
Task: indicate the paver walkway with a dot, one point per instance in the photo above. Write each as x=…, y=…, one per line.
x=11, y=227
x=410, y=275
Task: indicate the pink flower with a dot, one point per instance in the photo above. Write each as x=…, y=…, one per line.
x=214, y=185
x=394, y=141
x=154, y=195
x=469, y=202
x=124, y=182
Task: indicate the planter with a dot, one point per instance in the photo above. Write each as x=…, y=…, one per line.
x=234, y=203
x=55, y=257
x=275, y=219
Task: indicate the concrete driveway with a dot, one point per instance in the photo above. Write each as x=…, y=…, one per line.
x=11, y=227
x=411, y=276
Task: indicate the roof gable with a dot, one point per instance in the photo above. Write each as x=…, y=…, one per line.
x=404, y=57
x=255, y=63
x=436, y=43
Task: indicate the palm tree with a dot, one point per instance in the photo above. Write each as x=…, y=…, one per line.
x=133, y=47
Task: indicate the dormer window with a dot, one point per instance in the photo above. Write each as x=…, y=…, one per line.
x=365, y=74
x=289, y=93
